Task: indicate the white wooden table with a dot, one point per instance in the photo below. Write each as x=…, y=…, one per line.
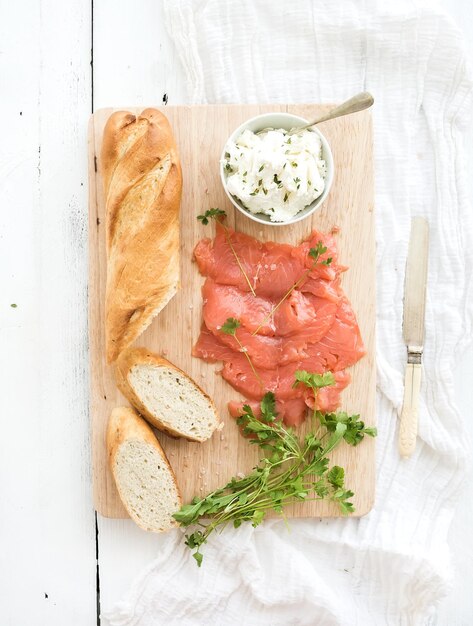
x=59, y=61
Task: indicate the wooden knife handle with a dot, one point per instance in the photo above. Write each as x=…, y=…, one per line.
x=410, y=410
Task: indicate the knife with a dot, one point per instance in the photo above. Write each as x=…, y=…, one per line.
x=413, y=331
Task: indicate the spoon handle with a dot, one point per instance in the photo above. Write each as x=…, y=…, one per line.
x=359, y=102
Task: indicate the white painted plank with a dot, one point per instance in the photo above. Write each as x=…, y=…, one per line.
x=124, y=552
x=47, y=530
x=135, y=62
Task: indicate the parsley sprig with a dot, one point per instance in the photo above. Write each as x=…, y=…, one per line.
x=230, y=328
x=355, y=428
x=212, y=214
x=291, y=469
x=315, y=254
x=219, y=215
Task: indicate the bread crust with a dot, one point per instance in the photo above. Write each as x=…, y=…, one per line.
x=142, y=182
x=124, y=423
x=142, y=356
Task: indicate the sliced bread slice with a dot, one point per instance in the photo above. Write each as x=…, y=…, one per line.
x=145, y=480
x=165, y=395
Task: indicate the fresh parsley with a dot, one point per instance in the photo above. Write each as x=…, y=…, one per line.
x=317, y=252
x=230, y=326
x=314, y=381
x=214, y=214
x=355, y=428
x=291, y=469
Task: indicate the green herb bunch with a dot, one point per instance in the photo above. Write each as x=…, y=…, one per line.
x=291, y=469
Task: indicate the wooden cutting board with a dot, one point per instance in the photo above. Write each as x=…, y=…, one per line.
x=201, y=132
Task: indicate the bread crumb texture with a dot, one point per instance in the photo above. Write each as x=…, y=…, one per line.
x=146, y=485
x=174, y=399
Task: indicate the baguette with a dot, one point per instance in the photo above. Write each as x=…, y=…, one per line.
x=165, y=395
x=142, y=183
x=145, y=480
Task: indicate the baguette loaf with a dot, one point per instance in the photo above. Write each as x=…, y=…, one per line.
x=142, y=187
x=165, y=395
x=144, y=478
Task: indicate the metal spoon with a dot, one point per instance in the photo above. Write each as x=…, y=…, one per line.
x=360, y=102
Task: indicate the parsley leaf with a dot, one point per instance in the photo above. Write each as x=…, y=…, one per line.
x=315, y=381
x=268, y=407
x=336, y=476
x=230, y=326
x=214, y=214
x=317, y=252
x=355, y=428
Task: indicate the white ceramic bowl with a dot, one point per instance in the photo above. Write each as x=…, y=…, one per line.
x=285, y=121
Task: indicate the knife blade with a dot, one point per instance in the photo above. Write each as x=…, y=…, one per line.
x=415, y=286
x=415, y=289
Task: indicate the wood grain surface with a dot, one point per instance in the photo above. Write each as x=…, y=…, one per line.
x=200, y=133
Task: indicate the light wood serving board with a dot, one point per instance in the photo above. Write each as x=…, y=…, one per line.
x=201, y=132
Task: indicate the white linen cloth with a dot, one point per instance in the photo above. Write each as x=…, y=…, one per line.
x=392, y=566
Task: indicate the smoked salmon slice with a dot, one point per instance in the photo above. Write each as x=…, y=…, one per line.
x=272, y=268
x=297, y=319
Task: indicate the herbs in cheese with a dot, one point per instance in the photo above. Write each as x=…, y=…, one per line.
x=275, y=173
